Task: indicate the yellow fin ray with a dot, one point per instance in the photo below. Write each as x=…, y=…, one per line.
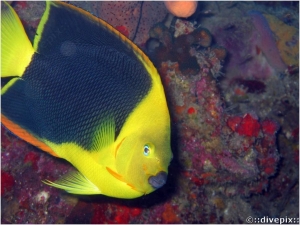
x=104, y=135
x=16, y=49
x=75, y=183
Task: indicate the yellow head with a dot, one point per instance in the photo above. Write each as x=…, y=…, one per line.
x=143, y=160
x=144, y=151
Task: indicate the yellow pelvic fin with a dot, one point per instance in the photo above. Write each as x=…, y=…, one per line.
x=16, y=49
x=75, y=183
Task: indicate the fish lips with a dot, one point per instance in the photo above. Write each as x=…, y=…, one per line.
x=158, y=180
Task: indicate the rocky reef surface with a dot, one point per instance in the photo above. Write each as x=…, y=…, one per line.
x=231, y=78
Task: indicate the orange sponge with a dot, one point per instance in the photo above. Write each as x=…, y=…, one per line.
x=181, y=8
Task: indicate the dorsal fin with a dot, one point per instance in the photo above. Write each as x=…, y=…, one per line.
x=64, y=26
x=63, y=22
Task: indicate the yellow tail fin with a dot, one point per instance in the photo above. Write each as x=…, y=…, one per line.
x=16, y=49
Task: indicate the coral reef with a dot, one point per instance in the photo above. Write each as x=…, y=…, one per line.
x=287, y=39
x=178, y=49
x=235, y=124
x=24, y=198
x=132, y=18
x=263, y=39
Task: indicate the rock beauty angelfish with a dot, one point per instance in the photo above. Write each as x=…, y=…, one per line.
x=85, y=93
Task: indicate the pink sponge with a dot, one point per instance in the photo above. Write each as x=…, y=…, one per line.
x=266, y=42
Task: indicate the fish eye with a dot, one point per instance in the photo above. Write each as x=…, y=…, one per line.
x=146, y=150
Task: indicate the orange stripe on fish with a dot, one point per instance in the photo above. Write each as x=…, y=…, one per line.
x=26, y=136
x=117, y=148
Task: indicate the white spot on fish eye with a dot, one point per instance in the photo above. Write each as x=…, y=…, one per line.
x=146, y=150
x=68, y=48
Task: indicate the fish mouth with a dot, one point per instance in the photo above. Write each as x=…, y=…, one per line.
x=158, y=180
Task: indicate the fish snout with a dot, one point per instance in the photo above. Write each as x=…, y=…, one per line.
x=158, y=180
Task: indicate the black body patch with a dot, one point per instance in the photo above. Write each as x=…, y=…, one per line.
x=81, y=74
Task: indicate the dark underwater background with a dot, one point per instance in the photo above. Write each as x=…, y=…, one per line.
x=231, y=78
